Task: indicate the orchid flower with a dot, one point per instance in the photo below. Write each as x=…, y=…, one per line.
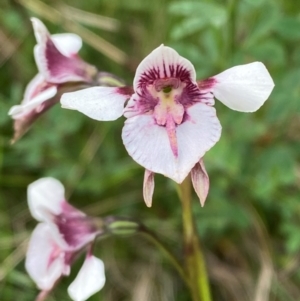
x=60, y=69
x=171, y=122
x=62, y=233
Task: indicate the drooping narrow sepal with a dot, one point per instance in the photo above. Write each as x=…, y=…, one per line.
x=243, y=88
x=148, y=187
x=90, y=279
x=200, y=181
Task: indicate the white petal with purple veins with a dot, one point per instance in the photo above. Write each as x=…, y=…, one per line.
x=44, y=262
x=67, y=43
x=90, y=279
x=100, y=103
x=45, y=196
x=163, y=62
x=148, y=144
x=19, y=111
x=243, y=88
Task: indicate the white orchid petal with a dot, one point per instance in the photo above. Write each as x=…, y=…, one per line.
x=45, y=196
x=243, y=88
x=163, y=62
x=90, y=279
x=41, y=265
x=100, y=103
x=67, y=43
x=148, y=144
x=19, y=111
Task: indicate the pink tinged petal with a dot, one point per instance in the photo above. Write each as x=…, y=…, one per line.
x=170, y=117
x=67, y=43
x=148, y=187
x=148, y=143
x=35, y=104
x=56, y=67
x=45, y=198
x=34, y=87
x=74, y=228
x=100, y=103
x=45, y=261
x=244, y=88
x=200, y=181
x=163, y=62
x=90, y=279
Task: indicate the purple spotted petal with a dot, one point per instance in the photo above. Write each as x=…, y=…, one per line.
x=148, y=143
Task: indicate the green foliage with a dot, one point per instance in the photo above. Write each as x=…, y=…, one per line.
x=253, y=206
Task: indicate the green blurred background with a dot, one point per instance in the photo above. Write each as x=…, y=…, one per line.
x=249, y=226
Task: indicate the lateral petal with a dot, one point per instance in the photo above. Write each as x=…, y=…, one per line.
x=243, y=88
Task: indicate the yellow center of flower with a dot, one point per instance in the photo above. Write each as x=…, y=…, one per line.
x=169, y=111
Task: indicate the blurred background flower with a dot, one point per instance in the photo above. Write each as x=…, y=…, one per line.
x=249, y=226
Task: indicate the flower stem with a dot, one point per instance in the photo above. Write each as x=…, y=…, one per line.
x=173, y=260
x=115, y=225
x=194, y=259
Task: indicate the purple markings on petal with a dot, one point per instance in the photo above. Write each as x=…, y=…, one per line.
x=76, y=228
x=61, y=68
x=207, y=84
x=175, y=72
x=125, y=90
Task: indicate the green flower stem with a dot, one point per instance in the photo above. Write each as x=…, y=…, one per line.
x=194, y=260
x=115, y=225
x=167, y=253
